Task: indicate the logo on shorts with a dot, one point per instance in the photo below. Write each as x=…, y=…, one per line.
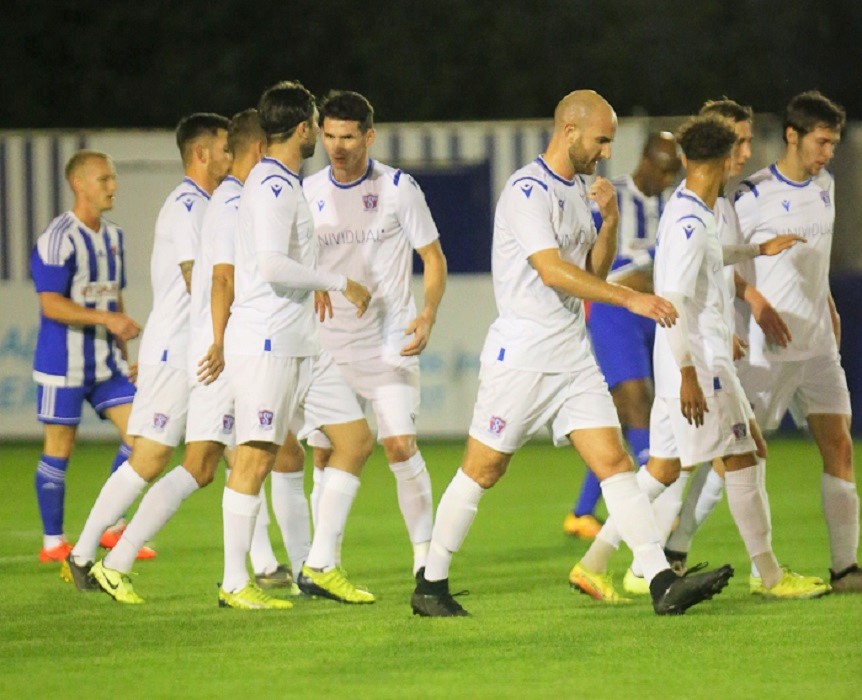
x=370, y=202
x=226, y=423
x=496, y=425
x=160, y=421
x=740, y=430
x=265, y=417
x=413, y=418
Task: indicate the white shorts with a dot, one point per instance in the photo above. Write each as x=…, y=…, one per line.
x=328, y=400
x=211, y=416
x=725, y=430
x=390, y=387
x=161, y=404
x=513, y=405
x=267, y=390
x=815, y=385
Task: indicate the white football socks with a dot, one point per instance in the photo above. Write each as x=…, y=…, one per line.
x=119, y=492
x=841, y=508
x=455, y=515
x=336, y=499
x=414, y=498
x=239, y=511
x=665, y=509
x=317, y=477
x=751, y=514
x=156, y=509
x=291, y=513
x=263, y=559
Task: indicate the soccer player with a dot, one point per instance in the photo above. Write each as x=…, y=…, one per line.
x=537, y=367
x=158, y=414
x=797, y=194
x=273, y=360
x=700, y=411
x=622, y=340
x=79, y=271
x=369, y=218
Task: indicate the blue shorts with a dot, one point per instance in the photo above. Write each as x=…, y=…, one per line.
x=622, y=342
x=62, y=405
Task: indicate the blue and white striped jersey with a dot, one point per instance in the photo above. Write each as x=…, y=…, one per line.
x=87, y=267
x=639, y=217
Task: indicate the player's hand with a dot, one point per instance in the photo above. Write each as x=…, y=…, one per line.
x=322, y=305
x=121, y=326
x=740, y=348
x=420, y=329
x=604, y=194
x=658, y=309
x=358, y=295
x=780, y=243
x=772, y=325
x=759, y=442
x=211, y=365
x=692, y=402
x=133, y=372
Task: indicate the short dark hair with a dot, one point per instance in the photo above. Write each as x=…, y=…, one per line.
x=811, y=109
x=347, y=106
x=196, y=125
x=244, y=130
x=706, y=137
x=730, y=109
x=283, y=107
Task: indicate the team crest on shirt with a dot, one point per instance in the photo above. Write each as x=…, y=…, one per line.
x=740, y=430
x=227, y=423
x=160, y=422
x=265, y=417
x=370, y=202
x=785, y=203
x=496, y=425
x=824, y=195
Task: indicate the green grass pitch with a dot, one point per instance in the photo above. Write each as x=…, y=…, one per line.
x=529, y=636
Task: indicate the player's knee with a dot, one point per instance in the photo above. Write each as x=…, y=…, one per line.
x=399, y=448
x=837, y=452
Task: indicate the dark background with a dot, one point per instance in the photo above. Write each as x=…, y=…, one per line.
x=67, y=63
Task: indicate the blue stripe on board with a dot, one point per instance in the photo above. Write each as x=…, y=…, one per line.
x=546, y=139
x=427, y=148
x=641, y=218
x=55, y=176
x=4, y=216
x=82, y=142
x=29, y=213
x=518, y=147
x=454, y=147
x=491, y=150
x=109, y=254
x=394, y=147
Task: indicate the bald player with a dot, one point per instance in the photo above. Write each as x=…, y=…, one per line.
x=537, y=366
x=622, y=340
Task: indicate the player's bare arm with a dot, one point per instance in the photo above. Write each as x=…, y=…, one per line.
x=123, y=346
x=211, y=365
x=570, y=279
x=765, y=315
x=434, y=283
x=186, y=270
x=601, y=257
x=836, y=319
x=63, y=310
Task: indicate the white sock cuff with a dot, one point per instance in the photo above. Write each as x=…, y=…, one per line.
x=741, y=477
x=651, y=486
x=714, y=479
x=466, y=487
x=834, y=483
x=289, y=479
x=409, y=468
x=184, y=483
x=341, y=481
x=240, y=503
x=126, y=472
x=317, y=476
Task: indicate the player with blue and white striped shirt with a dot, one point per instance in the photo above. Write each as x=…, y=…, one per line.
x=627, y=366
x=78, y=269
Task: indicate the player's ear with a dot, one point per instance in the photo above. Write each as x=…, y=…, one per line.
x=202, y=152
x=792, y=136
x=370, y=135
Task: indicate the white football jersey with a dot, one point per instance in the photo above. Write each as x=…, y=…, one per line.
x=638, y=225
x=795, y=282
x=218, y=232
x=165, y=337
x=538, y=328
x=729, y=233
x=689, y=262
x=273, y=218
x=367, y=230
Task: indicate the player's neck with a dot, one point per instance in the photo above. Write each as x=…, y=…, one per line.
x=790, y=167
x=558, y=161
x=345, y=176
x=91, y=218
x=286, y=153
x=201, y=178
x=704, y=182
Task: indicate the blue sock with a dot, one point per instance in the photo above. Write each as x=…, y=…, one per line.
x=638, y=439
x=51, y=492
x=122, y=455
x=591, y=492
